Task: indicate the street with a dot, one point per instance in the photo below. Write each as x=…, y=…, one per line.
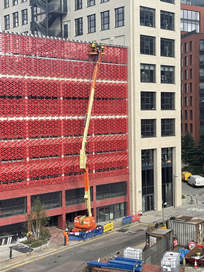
x=190, y=190
x=74, y=258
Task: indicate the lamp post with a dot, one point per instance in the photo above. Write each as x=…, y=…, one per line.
x=163, y=206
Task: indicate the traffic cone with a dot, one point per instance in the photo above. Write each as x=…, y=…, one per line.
x=195, y=264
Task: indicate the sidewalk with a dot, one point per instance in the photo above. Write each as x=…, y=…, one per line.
x=147, y=218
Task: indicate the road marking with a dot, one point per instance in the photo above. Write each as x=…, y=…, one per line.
x=36, y=258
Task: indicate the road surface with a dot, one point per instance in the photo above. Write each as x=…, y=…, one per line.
x=74, y=258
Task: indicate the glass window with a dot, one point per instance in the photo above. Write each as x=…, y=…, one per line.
x=191, y=60
x=167, y=47
x=147, y=72
x=23, y=1
x=148, y=128
x=186, y=87
x=191, y=87
x=186, y=115
x=119, y=17
x=148, y=100
x=15, y=2
x=191, y=45
x=92, y=23
x=7, y=22
x=111, y=190
x=49, y=200
x=15, y=19
x=201, y=45
x=168, y=1
x=76, y=196
x=191, y=74
x=168, y=127
x=167, y=101
x=24, y=17
x=186, y=60
x=13, y=207
x=104, y=1
x=186, y=47
x=79, y=26
x=190, y=21
x=186, y=101
x=105, y=20
x=147, y=16
x=147, y=45
x=65, y=31
x=201, y=73
x=6, y=3
x=90, y=3
x=186, y=74
x=167, y=20
x=78, y=4
x=167, y=74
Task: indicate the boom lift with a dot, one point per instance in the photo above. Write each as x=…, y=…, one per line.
x=85, y=223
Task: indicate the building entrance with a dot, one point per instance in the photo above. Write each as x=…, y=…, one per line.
x=148, y=203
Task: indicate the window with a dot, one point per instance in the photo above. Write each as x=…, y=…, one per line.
x=119, y=17
x=6, y=22
x=168, y=1
x=148, y=128
x=167, y=20
x=24, y=17
x=201, y=59
x=147, y=16
x=104, y=1
x=13, y=206
x=186, y=128
x=65, y=31
x=191, y=73
x=78, y=4
x=186, y=74
x=49, y=200
x=167, y=101
x=186, y=60
x=167, y=47
x=148, y=101
x=190, y=20
x=191, y=128
x=15, y=19
x=191, y=115
x=186, y=101
x=35, y=13
x=186, y=87
x=201, y=73
x=6, y=3
x=201, y=45
x=15, y=2
x=191, y=60
x=105, y=20
x=92, y=23
x=167, y=127
x=147, y=45
x=186, y=47
x=147, y=72
x=186, y=115
x=76, y=196
x=79, y=26
x=167, y=74
x=191, y=87
x=23, y=1
x=90, y=3
x=111, y=190
x=191, y=45
x=191, y=101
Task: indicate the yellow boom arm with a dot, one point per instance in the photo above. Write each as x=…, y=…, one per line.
x=83, y=157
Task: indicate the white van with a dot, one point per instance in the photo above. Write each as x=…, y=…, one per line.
x=196, y=180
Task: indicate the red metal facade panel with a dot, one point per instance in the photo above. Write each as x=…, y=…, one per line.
x=44, y=91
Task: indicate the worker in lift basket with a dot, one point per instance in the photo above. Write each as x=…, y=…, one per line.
x=93, y=46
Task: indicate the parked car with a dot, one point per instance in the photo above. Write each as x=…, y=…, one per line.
x=196, y=181
x=185, y=175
